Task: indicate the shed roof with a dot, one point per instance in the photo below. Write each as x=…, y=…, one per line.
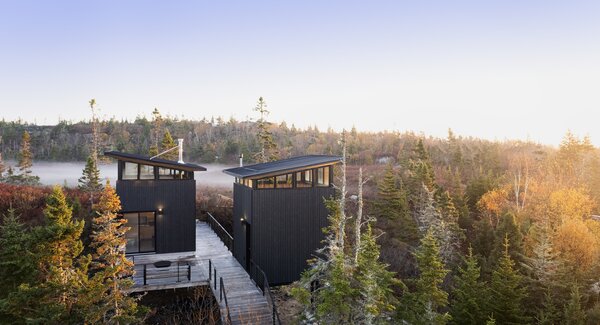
x=153, y=162
x=282, y=166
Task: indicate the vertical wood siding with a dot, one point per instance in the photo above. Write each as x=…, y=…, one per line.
x=175, y=229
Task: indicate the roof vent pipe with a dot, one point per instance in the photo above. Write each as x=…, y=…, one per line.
x=241, y=160
x=180, y=145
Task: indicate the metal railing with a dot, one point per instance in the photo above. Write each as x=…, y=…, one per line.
x=169, y=272
x=225, y=237
x=212, y=281
x=260, y=279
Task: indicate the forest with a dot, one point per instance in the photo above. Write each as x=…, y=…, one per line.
x=454, y=230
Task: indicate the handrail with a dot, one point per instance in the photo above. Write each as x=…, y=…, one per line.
x=220, y=231
x=266, y=290
x=186, y=264
x=212, y=276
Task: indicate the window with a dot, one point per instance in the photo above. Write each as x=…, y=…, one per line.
x=323, y=176
x=146, y=172
x=248, y=182
x=130, y=171
x=304, y=178
x=268, y=182
x=284, y=181
x=140, y=236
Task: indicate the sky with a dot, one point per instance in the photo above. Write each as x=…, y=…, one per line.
x=491, y=69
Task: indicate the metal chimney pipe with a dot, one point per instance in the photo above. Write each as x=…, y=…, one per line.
x=241, y=160
x=180, y=145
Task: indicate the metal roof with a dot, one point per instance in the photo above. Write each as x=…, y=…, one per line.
x=153, y=162
x=282, y=166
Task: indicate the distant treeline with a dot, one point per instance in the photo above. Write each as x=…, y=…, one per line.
x=218, y=140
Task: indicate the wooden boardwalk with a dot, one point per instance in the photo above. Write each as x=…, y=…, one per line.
x=246, y=303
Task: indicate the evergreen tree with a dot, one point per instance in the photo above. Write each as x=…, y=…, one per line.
x=375, y=282
x=17, y=264
x=25, y=162
x=424, y=304
x=2, y=168
x=53, y=297
x=421, y=169
x=392, y=206
x=469, y=305
x=111, y=270
x=156, y=131
x=90, y=180
x=574, y=314
x=547, y=314
x=507, y=291
x=166, y=144
x=95, y=139
x=268, y=147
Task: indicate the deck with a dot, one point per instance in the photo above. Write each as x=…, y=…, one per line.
x=246, y=303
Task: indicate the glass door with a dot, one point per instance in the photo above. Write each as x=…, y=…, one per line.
x=141, y=235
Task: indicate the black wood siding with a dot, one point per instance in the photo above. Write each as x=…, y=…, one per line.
x=242, y=208
x=286, y=228
x=176, y=228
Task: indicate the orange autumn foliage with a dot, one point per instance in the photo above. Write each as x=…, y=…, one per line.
x=577, y=245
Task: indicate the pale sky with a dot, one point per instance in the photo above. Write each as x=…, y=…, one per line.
x=491, y=69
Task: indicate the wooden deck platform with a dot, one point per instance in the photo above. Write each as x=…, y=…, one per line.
x=247, y=304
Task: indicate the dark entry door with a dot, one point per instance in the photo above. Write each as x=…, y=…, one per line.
x=142, y=232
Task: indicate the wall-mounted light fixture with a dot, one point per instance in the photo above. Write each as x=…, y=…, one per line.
x=243, y=220
x=160, y=211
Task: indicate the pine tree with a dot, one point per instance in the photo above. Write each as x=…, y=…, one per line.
x=16, y=263
x=110, y=268
x=2, y=168
x=166, y=144
x=268, y=147
x=573, y=313
x=25, y=162
x=61, y=269
x=90, y=180
x=94, y=153
x=469, y=305
x=375, y=282
x=424, y=305
x=156, y=131
x=392, y=206
x=25, y=155
x=507, y=291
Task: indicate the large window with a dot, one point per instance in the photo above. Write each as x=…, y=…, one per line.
x=141, y=235
x=268, y=182
x=146, y=172
x=130, y=171
x=285, y=181
x=304, y=178
x=323, y=176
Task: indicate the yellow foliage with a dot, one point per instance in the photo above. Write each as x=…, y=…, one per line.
x=570, y=204
x=577, y=245
x=493, y=202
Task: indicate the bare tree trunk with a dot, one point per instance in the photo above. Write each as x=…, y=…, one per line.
x=358, y=221
x=342, y=224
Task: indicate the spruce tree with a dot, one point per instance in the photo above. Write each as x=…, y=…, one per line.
x=469, y=297
x=507, y=291
x=392, y=205
x=375, y=282
x=24, y=164
x=425, y=304
x=111, y=270
x=573, y=313
x=2, y=168
x=268, y=147
x=166, y=144
x=17, y=264
x=53, y=297
x=156, y=131
x=90, y=180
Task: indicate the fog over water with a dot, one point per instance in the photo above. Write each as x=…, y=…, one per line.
x=51, y=173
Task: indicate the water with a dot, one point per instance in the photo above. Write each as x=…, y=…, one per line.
x=52, y=173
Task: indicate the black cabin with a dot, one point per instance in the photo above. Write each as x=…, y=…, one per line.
x=279, y=213
x=158, y=199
